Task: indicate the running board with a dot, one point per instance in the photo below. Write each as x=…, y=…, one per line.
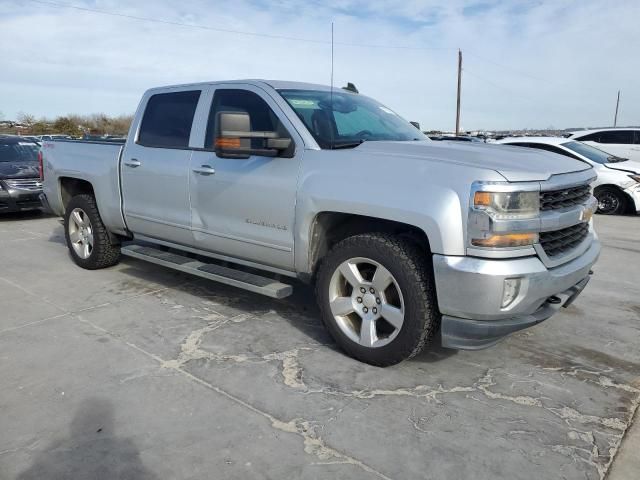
x=229, y=276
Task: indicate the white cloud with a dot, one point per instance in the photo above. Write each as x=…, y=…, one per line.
x=527, y=63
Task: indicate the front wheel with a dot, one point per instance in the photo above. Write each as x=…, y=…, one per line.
x=87, y=238
x=377, y=297
x=610, y=201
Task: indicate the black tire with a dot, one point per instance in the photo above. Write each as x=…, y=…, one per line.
x=104, y=253
x=413, y=273
x=611, y=201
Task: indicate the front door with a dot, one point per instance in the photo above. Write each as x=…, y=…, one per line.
x=244, y=208
x=155, y=168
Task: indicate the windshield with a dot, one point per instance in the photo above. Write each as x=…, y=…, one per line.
x=592, y=153
x=18, y=152
x=345, y=120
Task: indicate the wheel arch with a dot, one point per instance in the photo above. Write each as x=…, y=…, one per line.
x=71, y=186
x=612, y=186
x=329, y=228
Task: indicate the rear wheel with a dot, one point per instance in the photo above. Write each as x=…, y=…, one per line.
x=610, y=201
x=377, y=298
x=87, y=238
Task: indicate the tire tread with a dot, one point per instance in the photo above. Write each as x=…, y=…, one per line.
x=105, y=254
x=420, y=292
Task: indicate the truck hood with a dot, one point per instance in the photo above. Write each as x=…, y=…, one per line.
x=19, y=170
x=629, y=166
x=515, y=164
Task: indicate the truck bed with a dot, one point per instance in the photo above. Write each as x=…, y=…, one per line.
x=97, y=162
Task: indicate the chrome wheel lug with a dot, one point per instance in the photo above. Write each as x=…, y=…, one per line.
x=372, y=290
x=378, y=301
x=365, y=310
x=363, y=290
x=359, y=299
x=374, y=310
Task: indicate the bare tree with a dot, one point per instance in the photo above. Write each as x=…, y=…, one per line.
x=26, y=118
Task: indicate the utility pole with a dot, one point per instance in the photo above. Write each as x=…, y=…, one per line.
x=615, y=119
x=459, y=87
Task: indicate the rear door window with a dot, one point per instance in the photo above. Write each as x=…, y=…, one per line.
x=617, y=136
x=592, y=137
x=168, y=119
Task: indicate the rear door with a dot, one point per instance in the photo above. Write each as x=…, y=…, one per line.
x=245, y=207
x=155, y=167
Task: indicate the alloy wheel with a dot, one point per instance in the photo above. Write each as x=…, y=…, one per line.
x=80, y=233
x=366, y=302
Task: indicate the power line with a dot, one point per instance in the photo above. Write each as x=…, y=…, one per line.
x=514, y=70
x=518, y=95
x=227, y=30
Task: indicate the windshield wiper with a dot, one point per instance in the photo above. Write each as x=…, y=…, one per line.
x=614, y=159
x=348, y=144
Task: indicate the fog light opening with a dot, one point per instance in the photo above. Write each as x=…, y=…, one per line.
x=510, y=291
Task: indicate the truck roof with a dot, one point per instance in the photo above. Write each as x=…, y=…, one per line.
x=276, y=84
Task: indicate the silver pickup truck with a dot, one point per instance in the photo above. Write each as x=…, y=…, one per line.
x=251, y=182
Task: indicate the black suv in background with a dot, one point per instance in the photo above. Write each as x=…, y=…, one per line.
x=20, y=184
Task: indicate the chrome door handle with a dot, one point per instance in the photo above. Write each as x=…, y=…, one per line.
x=133, y=163
x=204, y=170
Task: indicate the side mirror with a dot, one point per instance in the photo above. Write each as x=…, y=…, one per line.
x=234, y=138
x=415, y=124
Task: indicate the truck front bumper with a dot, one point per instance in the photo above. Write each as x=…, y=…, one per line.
x=471, y=290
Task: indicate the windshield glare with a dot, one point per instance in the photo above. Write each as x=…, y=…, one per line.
x=592, y=153
x=346, y=119
x=19, y=152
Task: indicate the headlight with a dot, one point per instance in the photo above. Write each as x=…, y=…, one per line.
x=508, y=205
x=500, y=218
x=635, y=177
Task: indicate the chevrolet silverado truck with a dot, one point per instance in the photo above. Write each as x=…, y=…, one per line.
x=251, y=182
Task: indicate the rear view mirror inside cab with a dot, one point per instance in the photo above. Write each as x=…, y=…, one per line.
x=234, y=138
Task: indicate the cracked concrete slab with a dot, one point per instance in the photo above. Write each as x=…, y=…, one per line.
x=210, y=379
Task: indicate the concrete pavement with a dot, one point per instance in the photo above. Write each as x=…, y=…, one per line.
x=138, y=372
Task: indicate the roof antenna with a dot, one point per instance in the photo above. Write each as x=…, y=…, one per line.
x=331, y=94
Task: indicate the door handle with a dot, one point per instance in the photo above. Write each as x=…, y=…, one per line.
x=204, y=170
x=133, y=163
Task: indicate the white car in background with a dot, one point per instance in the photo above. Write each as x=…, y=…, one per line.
x=621, y=142
x=618, y=185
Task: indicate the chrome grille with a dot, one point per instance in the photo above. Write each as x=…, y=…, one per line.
x=563, y=198
x=32, y=184
x=562, y=241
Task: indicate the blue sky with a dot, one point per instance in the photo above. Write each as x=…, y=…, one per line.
x=527, y=64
